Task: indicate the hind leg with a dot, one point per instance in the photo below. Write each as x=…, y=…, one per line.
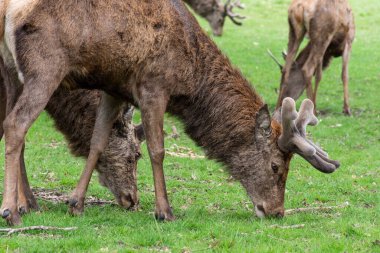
x=346, y=58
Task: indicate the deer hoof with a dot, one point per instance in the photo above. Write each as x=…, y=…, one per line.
x=76, y=207
x=347, y=112
x=13, y=219
x=164, y=215
x=73, y=202
x=23, y=210
x=6, y=213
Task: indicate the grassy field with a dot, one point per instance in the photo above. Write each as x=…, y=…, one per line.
x=213, y=212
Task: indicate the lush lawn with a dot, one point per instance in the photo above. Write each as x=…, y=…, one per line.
x=213, y=213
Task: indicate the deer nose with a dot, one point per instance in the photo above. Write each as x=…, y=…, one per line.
x=280, y=214
x=260, y=211
x=128, y=201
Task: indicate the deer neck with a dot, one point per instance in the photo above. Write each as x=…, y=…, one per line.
x=220, y=115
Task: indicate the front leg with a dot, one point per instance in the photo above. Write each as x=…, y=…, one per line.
x=153, y=107
x=108, y=110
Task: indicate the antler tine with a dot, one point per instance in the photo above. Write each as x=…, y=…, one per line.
x=293, y=137
x=233, y=16
x=274, y=58
x=307, y=117
x=290, y=138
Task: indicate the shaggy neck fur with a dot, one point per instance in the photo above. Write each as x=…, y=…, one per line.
x=220, y=114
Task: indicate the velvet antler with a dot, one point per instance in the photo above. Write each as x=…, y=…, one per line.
x=293, y=138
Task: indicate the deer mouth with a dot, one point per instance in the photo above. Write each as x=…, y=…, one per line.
x=128, y=201
x=259, y=210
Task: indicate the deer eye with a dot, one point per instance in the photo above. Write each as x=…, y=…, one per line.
x=274, y=167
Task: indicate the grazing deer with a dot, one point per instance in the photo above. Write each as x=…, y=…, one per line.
x=154, y=55
x=215, y=12
x=74, y=114
x=330, y=26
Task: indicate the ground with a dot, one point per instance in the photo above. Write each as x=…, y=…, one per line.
x=213, y=212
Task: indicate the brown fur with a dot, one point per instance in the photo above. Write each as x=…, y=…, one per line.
x=330, y=26
x=152, y=54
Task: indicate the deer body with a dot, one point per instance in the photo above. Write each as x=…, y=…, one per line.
x=152, y=54
x=331, y=29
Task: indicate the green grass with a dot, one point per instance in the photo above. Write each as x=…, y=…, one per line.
x=213, y=213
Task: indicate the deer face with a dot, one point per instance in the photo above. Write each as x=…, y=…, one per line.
x=220, y=11
x=117, y=165
x=216, y=19
x=296, y=83
x=263, y=168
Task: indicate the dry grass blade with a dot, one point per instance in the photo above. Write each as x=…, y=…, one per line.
x=11, y=231
x=288, y=227
x=58, y=197
x=312, y=209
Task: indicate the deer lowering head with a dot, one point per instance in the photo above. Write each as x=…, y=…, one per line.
x=215, y=12
x=331, y=29
x=275, y=146
x=74, y=113
x=117, y=166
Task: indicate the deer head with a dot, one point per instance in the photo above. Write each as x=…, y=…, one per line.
x=117, y=166
x=275, y=146
x=221, y=11
x=296, y=79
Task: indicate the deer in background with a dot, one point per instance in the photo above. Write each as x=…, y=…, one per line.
x=215, y=12
x=330, y=26
x=154, y=55
x=74, y=114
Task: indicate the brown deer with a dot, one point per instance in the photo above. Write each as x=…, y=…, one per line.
x=215, y=12
x=330, y=26
x=74, y=113
x=154, y=55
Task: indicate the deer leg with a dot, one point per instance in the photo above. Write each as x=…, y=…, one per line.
x=31, y=103
x=296, y=35
x=318, y=49
x=26, y=199
x=107, y=113
x=346, y=58
x=152, y=113
x=318, y=78
x=3, y=106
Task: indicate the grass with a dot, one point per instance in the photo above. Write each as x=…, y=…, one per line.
x=213, y=213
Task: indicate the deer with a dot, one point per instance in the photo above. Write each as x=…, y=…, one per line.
x=74, y=114
x=155, y=56
x=331, y=28
x=215, y=12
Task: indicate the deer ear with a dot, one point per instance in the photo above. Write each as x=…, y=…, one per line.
x=263, y=128
x=128, y=114
x=139, y=132
x=284, y=54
